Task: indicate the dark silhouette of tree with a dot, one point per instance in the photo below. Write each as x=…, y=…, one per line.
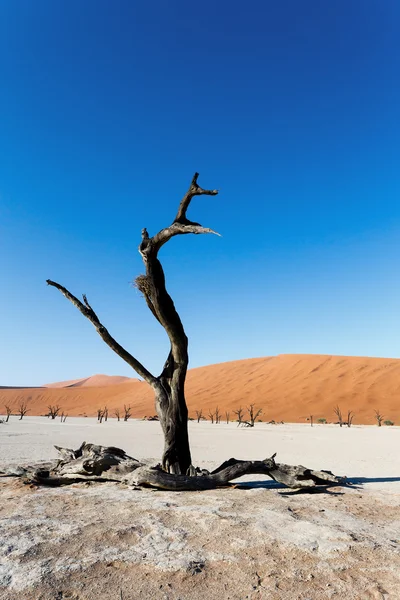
x=379, y=418
x=227, y=417
x=338, y=413
x=8, y=411
x=117, y=413
x=53, y=411
x=22, y=409
x=350, y=417
x=253, y=414
x=177, y=471
x=127, y=412
x=239, y=413
x=169, y=386
x=199, y=415
x=211, y=415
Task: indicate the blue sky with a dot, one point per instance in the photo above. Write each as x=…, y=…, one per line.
x=290, y=109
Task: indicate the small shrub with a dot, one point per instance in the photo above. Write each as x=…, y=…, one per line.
x=322, y=420
x=388, y=423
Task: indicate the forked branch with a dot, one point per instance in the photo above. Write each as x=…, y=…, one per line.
x=194, y=190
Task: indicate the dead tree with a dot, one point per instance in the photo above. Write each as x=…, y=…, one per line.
x=8, y=411
x=63, y=418
x=99, y=411
x=253, y=414
x=338, y=413
x=53, y=411
x=211, y=415
x=169, y=385
x=22, y=409
x=99, y=463
x=117, y=413
x=350, y=417
x=217, y=416
x=127, y=412
x=227, y=417
x=379, y=418
x=105, y=413
x=239, y=413
x=199, y=415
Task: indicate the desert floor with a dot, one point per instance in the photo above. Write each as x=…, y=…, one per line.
x=107, y=541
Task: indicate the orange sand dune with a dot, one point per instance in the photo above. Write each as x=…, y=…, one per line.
x=287, y=387
x=93, y=381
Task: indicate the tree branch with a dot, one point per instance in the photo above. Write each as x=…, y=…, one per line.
x=194, y=190
x=89, y=313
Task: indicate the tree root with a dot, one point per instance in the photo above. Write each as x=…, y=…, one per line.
x=100, y=463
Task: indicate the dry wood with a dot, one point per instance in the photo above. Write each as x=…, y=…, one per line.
x=379, y=417
x=169, y=385
x=199, y=415
x=338, y=413
x=101, y=463
x=22, y=409
x=8, y=411
x=127, y=412
x=239, y=413
x=53, y=411
x=253, y=414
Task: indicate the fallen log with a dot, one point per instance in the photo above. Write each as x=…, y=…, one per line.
x=91, y=462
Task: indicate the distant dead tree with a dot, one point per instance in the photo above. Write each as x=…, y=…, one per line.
x=127, y=412
x=64, y=418
x=99, y=411
x=117, y=413
x=53, y=411
x=311, y=419
x=199, y=415
x=217, y=416
x=338, y=413
x=253, y=414
x=227, y=417
x=105, y=413
x=379, y=418
x=350, y=417
x=211, y=415
x=239, y=413
x=22, y=409
x=8, y=411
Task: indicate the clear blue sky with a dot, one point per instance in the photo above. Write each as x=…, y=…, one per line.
x=290, y=109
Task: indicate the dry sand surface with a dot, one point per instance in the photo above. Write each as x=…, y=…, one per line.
x=287, y=387
x=106, y=541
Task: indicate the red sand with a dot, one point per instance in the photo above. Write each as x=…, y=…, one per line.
x=287, y=387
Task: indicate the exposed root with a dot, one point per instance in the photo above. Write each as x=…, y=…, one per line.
x=100, y=463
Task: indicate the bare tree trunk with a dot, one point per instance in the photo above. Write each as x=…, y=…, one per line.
x=169, y=387
x=8, y=411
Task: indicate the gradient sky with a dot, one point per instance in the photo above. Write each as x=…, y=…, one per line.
x=290, y=109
